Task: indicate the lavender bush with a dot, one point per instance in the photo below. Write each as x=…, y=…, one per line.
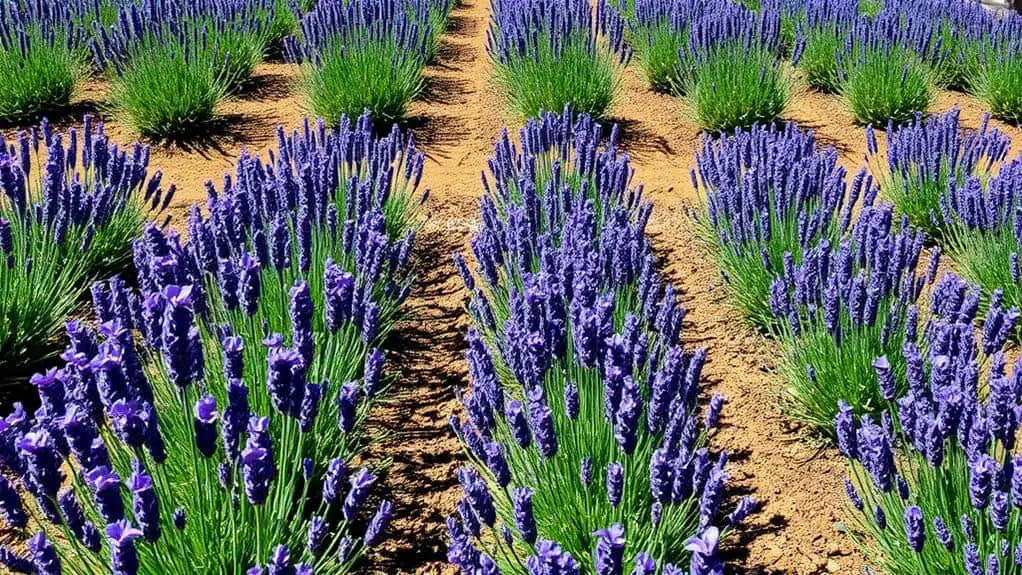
x=172, y=62
x=366, y=54
x=549, y=54
x=767, y=192
x=658, y=31
x=934, y=486
x=583, y=428
x=985, y=223
x=70, y=206
x=41, y=57
x=922, y=160
x=997, y=76
x=821, y=35
x=885, y=68
x=846, y=304
x=229, y=390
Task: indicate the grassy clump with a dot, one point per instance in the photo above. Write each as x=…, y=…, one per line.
x=886, y=84
x=737, y=86
x=572, y=77
x=39, y=78
x=819, y=58
x=376, y=77
x=997, y=80
x=165, y=93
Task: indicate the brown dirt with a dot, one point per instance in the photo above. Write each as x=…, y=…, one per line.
x=456, y=121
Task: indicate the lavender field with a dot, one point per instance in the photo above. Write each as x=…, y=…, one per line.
x=538, y=287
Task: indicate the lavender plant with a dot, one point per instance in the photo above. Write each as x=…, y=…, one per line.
x=127, y=464
x=659, y=32
x=70, y=206
x=885, y=69
x=767, y=192
x=582, y=395
x=736, y=78
x=551, y=54
x=820, y=38
x=997, y=77
x=305, y=255
x=236, y=441
x=934, y=486
x=172, y=62
x=365, y=55
x=41, y=58
x=846, y=304
x=985, y=222
x=923, y=159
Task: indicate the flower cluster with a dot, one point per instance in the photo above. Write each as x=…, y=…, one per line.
x=846, y=305
x=366, y=54
x=225, y=395
x=924, y=159
x=983, y=224
x=551, y=54
x=70, y=206
x=581, y=390
x=769, y=191
x=936, y=481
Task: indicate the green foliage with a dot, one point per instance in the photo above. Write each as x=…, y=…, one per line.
x=657, y=50
x=376, y=76
x=168, y=92
x=38, y=79
x=882, y=85
x=576, y=78
x=983, y=258
x=998, y=83
x=819, y=62
x=734, y=86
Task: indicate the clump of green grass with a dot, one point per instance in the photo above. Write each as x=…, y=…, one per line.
x=818, y=62
x=549, y=56
x=887, y=84
x=997, y=79
x=366, y=55
x=738, y=85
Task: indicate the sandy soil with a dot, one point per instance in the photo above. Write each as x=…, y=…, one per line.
x=456, y=121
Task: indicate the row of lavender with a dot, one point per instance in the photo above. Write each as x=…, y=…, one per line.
x=587, y=450
x=208, y=419
x=886, y=60
x=172, y=63
x=833, y=271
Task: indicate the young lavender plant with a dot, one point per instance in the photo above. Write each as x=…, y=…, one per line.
x=172, y=62
x=41, y=57
x=997, y=77
x=848, y=303
x=820, y=37
x=549, y=55
x=934, y=487
x=885, y=69
x=70, y=206
x=767, y=192
x=923, y=160
x=735, y=79
x=365, y=55
x=597, y=411
x=659, y=32
x=984, y=226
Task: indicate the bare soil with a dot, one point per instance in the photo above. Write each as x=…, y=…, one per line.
x=456, y=121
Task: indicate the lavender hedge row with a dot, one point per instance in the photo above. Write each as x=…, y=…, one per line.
x=588, y=452
x=211, y=423
x=70, y=206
